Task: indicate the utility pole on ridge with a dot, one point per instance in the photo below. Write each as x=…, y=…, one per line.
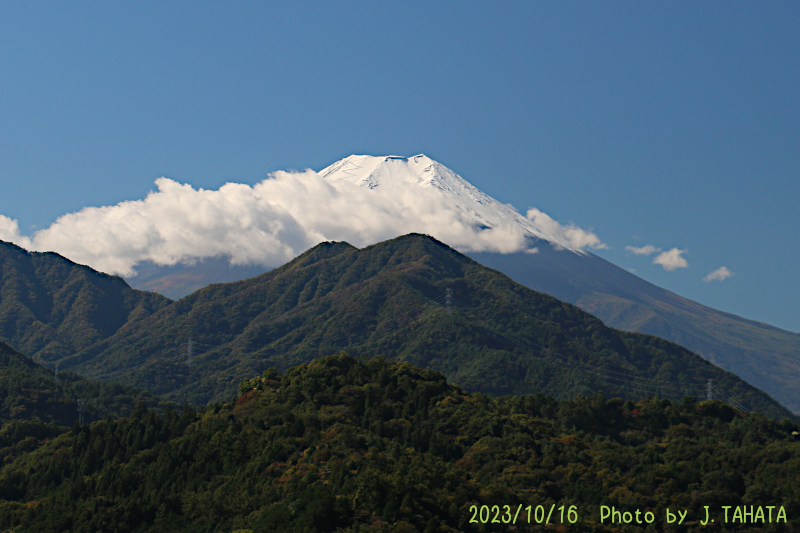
x=81, y=409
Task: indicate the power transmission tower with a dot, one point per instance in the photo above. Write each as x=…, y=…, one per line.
x=448, y=301
x=56, y=370
x=81, y=409
x=189, y=353
x=710, y=390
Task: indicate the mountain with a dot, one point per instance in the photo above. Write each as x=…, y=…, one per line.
x=412, y=298
x=51, y=307
x=763, y=355
x=430, y=179
x=350, y=445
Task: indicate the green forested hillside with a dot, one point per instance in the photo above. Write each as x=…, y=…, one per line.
x=35, y=405
x=346, y=445
x=51, y=307
x=496, y=336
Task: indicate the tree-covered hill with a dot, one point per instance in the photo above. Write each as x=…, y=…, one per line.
x=349, y=445
x=51, y=307
x=36, y=405
x=490, y=334
x=29, y=391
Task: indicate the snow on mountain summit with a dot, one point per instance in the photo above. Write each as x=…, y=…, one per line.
x=361, y=199
x=430, y=177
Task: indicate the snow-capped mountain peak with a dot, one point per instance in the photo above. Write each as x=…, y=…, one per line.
x=433, y=178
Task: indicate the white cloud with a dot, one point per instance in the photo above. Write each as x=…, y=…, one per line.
x=719, y=274
x=671, y=259
x=644, y=250
x=575, y=236
x=9, y=232
x=177, y=223
x=269, y=223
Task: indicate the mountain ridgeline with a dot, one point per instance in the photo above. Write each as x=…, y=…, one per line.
x=763, y=355
x=411, y=298
x=51, y=307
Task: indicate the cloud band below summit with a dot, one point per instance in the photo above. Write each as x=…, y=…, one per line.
x=269, y=223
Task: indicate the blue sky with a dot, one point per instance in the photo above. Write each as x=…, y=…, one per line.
x=675, y=125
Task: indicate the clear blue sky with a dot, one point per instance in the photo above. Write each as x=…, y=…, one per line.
x=671, y=124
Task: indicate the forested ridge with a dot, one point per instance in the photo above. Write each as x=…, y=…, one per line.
x=347, y=444
x=430, y=422
x=763, y=355
x=490, y=334
x=51, y=307
x=35, y=405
